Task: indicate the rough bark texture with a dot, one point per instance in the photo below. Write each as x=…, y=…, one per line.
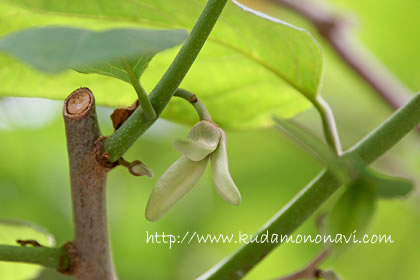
x=88, y=181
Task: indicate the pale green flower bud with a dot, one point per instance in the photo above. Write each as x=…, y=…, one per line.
x=174, y=184
x=221, y=175
x=202, y=140
x=138, y=168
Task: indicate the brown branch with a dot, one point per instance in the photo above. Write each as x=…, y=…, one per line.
x=92, y=259
x=311, y=270
x=337, y=32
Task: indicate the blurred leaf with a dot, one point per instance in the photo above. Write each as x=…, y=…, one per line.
x=10, y=231
x=257, y=64
x=313, y=145
x=306, y=139
x=388, y=187
x=354, y=210
x=55, y=49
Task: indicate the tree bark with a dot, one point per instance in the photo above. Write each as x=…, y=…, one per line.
x=92, y=258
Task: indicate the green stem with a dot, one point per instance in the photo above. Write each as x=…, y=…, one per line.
x=199, y=106
x=48, y=257
x=328, y=124
x=119, y=142
x=148, y=110
x=307, y=201
x=389, y=132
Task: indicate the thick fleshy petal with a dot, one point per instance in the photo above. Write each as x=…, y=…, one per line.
x=202, y=140
x=193, y=150
x=174, y=184
x=221, y=175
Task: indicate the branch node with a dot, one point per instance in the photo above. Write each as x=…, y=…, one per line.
x=68, y=264
x=102, y=157
x=193, y=99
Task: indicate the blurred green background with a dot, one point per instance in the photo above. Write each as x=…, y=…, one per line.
x=268, y=168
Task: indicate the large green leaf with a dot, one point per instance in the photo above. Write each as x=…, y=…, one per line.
x=10, y=231
x=116, y=69
x=58, y=48
x=251, y=67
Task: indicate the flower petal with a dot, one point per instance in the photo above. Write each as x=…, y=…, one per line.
x=174, y=184
x=221, y=175
x=202, y=140
x=193, y=150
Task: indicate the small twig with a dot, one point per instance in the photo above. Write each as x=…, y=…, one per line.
x=148, y=110
x=201, y=109
x=311, y=270
x=335, y=30
x=56, y=258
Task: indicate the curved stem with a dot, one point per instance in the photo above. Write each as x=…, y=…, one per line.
x=328, y=124
x=199, y=106
x=307, y=201
x=148, y=110
x=56, y=258
x=118, y=143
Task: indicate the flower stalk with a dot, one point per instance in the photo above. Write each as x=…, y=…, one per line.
x=201, y=109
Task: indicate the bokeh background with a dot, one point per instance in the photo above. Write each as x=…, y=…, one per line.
x=268, y=168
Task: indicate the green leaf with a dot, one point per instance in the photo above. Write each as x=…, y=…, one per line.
x=318, y=149
x=55, y=49
x=10, y=231
x=354, y=210
x=388, y=187
x=250, y=69
x=116, y=69
x=306, y=139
